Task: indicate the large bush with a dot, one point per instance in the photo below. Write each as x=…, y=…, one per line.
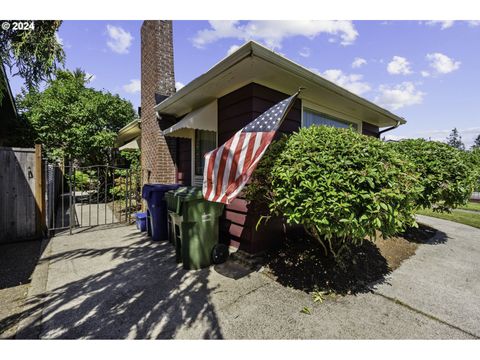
x=445, y=172
x=342, y=186
x=474, y=160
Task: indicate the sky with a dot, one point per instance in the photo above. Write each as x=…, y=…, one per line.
x=425, y=71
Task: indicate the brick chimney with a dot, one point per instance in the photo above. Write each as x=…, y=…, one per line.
x=157, y=80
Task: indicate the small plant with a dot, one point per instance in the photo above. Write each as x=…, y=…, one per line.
x=306, y=310
x=318, y=296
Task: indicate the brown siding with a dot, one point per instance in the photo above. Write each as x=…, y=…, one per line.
x=157, y=76
x=370, y=130
x=235, y=110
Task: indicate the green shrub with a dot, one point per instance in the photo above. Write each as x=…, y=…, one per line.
x=119, y=190
x=259, y=190
x=445, y=173
x=340, y=185
x=83, y=180
x=474, y=160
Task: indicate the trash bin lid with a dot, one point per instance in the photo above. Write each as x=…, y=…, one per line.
x=148, y=189
x=189, y=193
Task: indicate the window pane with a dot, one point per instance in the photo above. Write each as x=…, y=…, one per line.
x=205, y=141
x=313, y=118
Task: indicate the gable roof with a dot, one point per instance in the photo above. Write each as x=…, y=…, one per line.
x=255, y=63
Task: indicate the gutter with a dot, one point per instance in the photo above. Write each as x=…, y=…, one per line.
x=252, y=48
x=390, y=128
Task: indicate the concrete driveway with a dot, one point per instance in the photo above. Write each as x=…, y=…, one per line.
x=115, y=283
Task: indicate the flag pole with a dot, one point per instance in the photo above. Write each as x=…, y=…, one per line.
x=289, y=107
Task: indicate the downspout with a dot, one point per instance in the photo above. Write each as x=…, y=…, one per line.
x=390, y=128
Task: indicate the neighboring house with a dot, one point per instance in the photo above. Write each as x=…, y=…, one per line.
x=129, y=137
x=180, y=128
x=9, y=119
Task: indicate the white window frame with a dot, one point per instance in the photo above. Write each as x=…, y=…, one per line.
x=197, y=180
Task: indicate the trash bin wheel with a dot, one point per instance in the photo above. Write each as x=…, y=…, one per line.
x=219, y=253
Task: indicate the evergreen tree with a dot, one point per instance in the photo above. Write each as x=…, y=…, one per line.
x=476, y=143
x=455, y=140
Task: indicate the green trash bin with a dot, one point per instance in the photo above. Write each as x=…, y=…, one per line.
x=193, y=228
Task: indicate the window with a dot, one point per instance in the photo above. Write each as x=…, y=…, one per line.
x=205, y=141
x=315, y=118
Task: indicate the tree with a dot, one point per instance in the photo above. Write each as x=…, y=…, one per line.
x=476, y=143
x=455, y=140
x=35, y=53
x=74, y=121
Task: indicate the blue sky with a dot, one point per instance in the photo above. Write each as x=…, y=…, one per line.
x=424, y=71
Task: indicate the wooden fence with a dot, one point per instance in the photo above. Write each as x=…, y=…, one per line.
x=21, y=189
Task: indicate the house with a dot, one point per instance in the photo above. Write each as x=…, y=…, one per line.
x=178, y=128
x=129, y=137
x=10, y=122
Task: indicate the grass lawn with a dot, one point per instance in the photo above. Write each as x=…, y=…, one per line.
x=471, y=206
x=462, y=217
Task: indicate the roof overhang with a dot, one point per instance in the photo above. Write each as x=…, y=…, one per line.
x=204, y=118
x=128, y=132
x=132, y=145
x=254, y=63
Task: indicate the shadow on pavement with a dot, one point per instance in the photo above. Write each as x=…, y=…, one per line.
x=147, y=295
x=18, y=260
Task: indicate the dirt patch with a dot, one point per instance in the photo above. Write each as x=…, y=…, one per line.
x=301, y=262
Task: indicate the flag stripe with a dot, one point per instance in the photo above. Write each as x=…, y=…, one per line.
x=221, y=168
x=218, y=156
x=207, y=180
x=228, y=168
x=242, y=155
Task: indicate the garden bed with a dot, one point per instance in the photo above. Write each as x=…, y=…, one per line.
x=302, y=264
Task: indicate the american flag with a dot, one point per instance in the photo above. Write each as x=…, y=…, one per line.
x=228, y=167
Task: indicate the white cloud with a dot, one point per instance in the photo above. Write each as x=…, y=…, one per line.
x=358, y=62
x=232, y=49
x=90, y=77
x=473, y=23
x=179, y=85
x=425, y=73
x=132, y=87
x=273, y=32
x=444, y=24
x=399, y=66
x=398, y=96
x=119, y=39
x=351, y=82
x=305, y=52
x=442, y=64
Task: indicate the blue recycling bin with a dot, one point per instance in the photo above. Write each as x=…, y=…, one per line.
x=157, y=213
x=141, y=221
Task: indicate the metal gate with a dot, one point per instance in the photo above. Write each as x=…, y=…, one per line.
x=89, y=196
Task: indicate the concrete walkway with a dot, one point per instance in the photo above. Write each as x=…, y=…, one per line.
x=115, y=283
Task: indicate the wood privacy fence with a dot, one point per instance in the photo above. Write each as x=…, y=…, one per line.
x=21, y=189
